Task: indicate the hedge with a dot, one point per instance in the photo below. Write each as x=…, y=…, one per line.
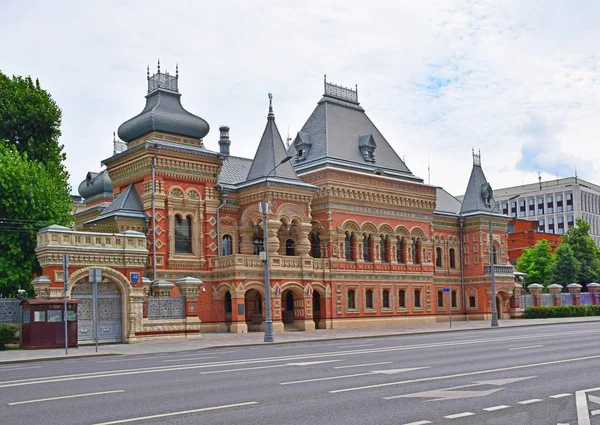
x=7, y=335
x=562, y=311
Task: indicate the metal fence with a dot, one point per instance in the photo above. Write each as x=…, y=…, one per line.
x=166, y=308
x=586, y=298
x=547, y=300
x=526, y=301
x=566, y=299
x=10, y=311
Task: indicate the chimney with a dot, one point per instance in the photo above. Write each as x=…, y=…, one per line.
x=224, y=141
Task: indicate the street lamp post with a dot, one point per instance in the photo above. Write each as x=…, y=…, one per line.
x=264, y=207
x=492, y=264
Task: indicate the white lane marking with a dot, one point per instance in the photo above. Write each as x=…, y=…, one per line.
x=60, y=378
x=595, y=412
x=373, y=372
x=325, y=379
x=561, y=395
x=531, y=401
x=594, y=399
x=64, y=397
x=362, y=365
x=355, y=345
x=183, y=412
x=525, y=348
x=19, y=367
x=313, y=363
x=459, y=415
x=583, y=417
x=243, y=369
x=458, y=375
x=419, y=423
x=394, y=371
x=190, y=359
x=494, y=408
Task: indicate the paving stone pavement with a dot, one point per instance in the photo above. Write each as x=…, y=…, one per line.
x=212, y=340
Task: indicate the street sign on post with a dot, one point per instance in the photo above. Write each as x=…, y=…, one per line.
x=65, y=264
x=449, y=303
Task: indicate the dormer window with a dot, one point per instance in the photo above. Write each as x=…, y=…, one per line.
x=367, y=146
x=302, y=143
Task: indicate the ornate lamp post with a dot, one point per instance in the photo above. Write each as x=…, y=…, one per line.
x=264, y=208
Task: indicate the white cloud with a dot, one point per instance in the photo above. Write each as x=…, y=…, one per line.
x=437, y=78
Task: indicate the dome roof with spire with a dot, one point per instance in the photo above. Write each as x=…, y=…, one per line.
x=95, y=184
x=163, y=112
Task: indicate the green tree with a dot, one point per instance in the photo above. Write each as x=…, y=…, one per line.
x=537, y=262
x=30, y=120
x=566, y=267
x=584, y=250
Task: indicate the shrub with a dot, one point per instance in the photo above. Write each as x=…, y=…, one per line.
x=562, y=311
x=7, y=335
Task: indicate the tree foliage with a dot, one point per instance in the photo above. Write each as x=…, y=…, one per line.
x=30, y=120
x=33, y=181
x=585, y=251
x=537, y=262
x=566, y=266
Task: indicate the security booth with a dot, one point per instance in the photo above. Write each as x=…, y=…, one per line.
x=43, y=325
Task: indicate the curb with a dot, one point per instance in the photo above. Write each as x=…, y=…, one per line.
x=255, y=344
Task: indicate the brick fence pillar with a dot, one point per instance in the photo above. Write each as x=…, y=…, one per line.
x=535, y=289
x=594, y=289
x=575, y=290
x=555, y=289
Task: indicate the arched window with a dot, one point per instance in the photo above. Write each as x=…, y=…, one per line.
x=495, y=254
x=402, y=298
x=417, y=298
x=413, y=251
x=384, y=248
x=228, y=302
x=226, y=245
x=315, y=245
x=438, y=256
x=400, y=250
x=385, y=298
x=367, y=248
x=452, y=255
x=183, y=234
x=290, y=247
x=351, y=299
x=369, y=298
x=348, y=247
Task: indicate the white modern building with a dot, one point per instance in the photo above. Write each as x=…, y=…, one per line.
x=554, y=204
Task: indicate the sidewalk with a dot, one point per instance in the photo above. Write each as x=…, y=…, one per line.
x=213, y=340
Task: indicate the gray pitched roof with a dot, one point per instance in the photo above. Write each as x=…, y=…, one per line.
x=234, y=170
x=270, y=152
x=474, y=201
x=163, y=112
x=127, y=204
x=337, y=129
x=445, y=203
x=95, y=184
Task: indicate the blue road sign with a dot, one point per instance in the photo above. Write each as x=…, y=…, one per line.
x=135, y=277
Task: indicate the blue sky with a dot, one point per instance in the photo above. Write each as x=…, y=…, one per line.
x=517, y=80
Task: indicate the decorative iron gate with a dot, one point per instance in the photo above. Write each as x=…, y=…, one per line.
x=109, y=312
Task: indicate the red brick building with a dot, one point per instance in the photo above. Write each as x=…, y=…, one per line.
x=524, y=234
x=354, y=237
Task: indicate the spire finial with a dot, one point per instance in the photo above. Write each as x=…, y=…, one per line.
x=176, y=70
x=271, y=114
x=114, y=136
x=148, y=72
x=159, y=66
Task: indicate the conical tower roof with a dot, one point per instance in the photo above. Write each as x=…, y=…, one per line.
x=270, y=153
x=479, y=197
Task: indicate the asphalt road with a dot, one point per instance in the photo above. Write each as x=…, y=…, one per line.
x=533, y=375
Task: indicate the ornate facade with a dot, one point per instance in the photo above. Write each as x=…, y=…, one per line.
x=354, y=237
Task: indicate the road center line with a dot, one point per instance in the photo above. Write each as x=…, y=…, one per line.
x=494, y=408
x=459, y=375
x=531, y=401
x=361, y=365
x=328, y=378
x=183, y=412
x=243, y=368
x=459, y=415
x=525, y=348
x=355, y=345
x=560, y=395
x=190, y=359
x=419, y=423
x=19, y=368
x=64, y=397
